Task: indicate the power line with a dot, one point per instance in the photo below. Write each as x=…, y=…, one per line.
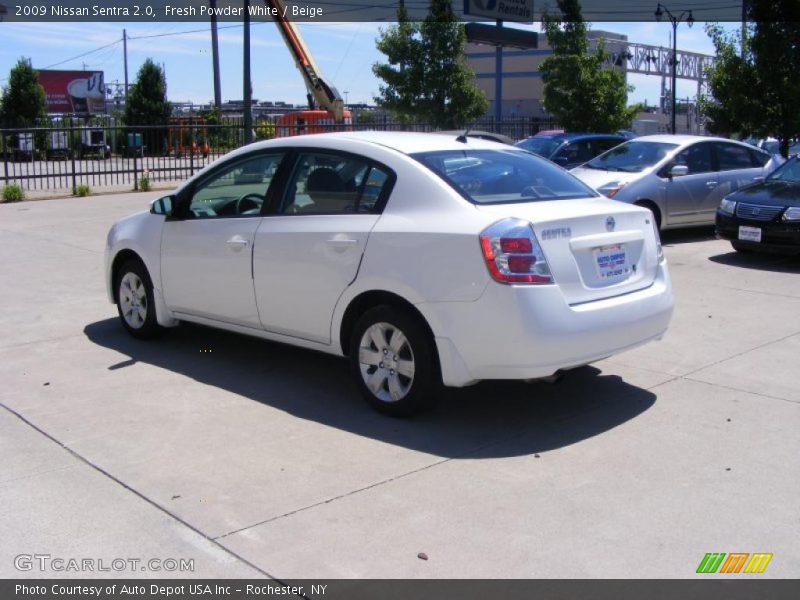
x=81, y=55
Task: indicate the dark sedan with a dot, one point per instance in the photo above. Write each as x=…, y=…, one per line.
x=766, y=215
x=569, y=150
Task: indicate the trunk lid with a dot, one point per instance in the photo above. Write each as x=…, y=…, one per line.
x=595, y=248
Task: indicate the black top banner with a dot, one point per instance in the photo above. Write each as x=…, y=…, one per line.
x=145, y=11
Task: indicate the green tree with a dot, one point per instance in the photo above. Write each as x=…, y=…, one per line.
x=147, y=98
x=426, y=76
x=23, y=101
x=754, y=84
x=579, y=89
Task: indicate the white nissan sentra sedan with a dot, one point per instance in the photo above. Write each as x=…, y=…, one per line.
x=426, y=259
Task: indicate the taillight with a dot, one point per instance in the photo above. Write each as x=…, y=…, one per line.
x=513, y=254
x=659, y=249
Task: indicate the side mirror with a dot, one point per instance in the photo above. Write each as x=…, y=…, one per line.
x=561, y=160
x=162, y=206
x=678, y=171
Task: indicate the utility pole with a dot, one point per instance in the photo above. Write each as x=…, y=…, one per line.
x=215, y=56
x=248, y=90
x=498, y=80
x=125, y=53
x=744, y=26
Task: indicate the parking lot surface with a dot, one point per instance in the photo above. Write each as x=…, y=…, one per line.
x=257, y=459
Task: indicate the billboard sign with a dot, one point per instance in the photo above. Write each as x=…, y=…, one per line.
x=74, y=92
x=506, y=10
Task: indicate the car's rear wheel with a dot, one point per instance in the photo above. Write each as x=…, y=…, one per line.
x=393, y=359
x=135, y=303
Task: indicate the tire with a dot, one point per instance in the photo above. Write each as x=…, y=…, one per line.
x=653, y=209
x=401, y=384
x=133, y=292
x=739, y=247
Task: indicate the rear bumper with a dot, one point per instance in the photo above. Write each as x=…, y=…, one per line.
x=526, y=332
x=775, y=236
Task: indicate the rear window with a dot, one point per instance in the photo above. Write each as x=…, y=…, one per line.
x=503, y=176
x=632, y=157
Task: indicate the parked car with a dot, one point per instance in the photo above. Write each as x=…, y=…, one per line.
x=569, y=150
x=681, y=178
x=378, y=247
x=765, y=215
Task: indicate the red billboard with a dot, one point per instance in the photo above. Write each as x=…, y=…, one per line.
x=74, y=92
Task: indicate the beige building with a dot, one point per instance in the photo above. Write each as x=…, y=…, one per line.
x=522, y=80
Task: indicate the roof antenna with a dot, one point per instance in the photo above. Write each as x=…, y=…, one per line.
x=463, y=137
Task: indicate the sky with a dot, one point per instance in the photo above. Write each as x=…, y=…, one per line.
x=345, y=52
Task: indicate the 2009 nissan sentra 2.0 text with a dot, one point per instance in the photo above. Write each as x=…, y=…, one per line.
x=426, y=260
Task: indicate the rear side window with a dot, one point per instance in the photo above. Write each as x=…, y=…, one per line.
x=325, y=184
x=603, y=144
x=503, y=176
x=733, y=156
x=758, y=158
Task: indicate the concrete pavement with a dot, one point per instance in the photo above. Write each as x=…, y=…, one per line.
x=257, y=459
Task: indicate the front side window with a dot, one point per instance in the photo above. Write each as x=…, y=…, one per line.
x=632, y=157
x=238, y=190
x=503, y=176
x=325, y=183
x=575, y=152
x=696, y=157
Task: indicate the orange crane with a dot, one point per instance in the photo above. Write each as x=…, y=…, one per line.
x=325, y=106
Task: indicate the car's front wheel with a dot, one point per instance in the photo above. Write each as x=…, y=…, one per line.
x=393, y=359
x=135, y=303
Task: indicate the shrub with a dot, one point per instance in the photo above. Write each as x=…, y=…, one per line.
x=144, y=181
x=83, y=190
x=13, y=193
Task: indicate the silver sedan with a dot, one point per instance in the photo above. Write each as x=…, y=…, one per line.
x=681, y=178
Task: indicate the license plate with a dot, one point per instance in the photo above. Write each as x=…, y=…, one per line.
x=749, y=234
x=612, y=262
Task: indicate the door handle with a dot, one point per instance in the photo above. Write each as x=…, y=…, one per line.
x=711, y=184
x=342, y=241
x=237, y=243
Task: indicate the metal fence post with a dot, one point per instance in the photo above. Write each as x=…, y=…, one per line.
x=72, y=155
x=136, y=168
x=6, y=178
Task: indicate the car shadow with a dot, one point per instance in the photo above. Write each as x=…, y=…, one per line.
x=776, y=263
x=687, y=235
x=491, y=419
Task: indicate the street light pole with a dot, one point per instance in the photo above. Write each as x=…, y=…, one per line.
x=248, y=90
x=687, y=16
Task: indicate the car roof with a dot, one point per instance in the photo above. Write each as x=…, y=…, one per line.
x=401, y=141
x=679, y=138
x=564, y=137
